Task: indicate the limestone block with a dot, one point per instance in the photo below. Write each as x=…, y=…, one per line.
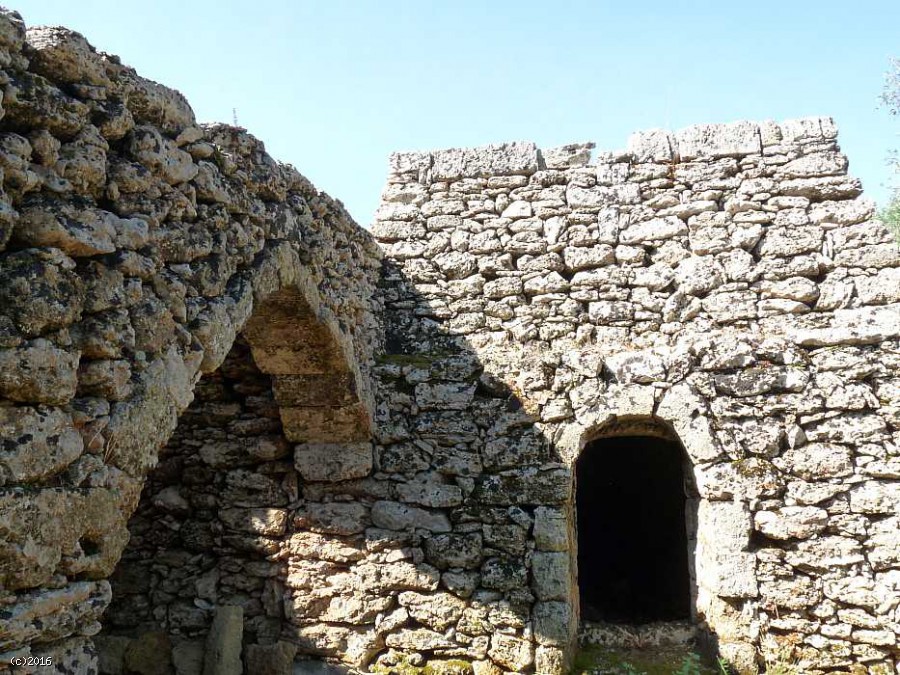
x=524, y=486
x=418, y=639
x=37, y=103
x=548, y=283
x=354, y=645
x=38, y=443
x=511, y=652
x=883, y=544
x=852, y=428
x=223, y=643
x=656, y=277
x=825, y=553
x=327, y=424
x=550, y=660
x=881, y=289
x=698, y=275
x=742, y=656
x=444, y=396
x=718, y=140
x=503, y=287
x=553, y=623
x=454, y=550
x=808, y=129
x=852, y=327
x=269, y=522
x=438, y=611
x=333, y=518
x=656, y=229
x=797, y=592
x=75, y=231
x=875, y=498
x=641, y=367
x=746, y=479
x=503, y=574
x=111, y=653
x=397, y=516
x=567, y=156
x=187, y=657
x=875, y=255
x=489, y=160
x=589, y=199
x=53, y=613
x=72, y=655
x=756, y=381
x=654, y=145
x=782, y=242
x=854, y=590
x=507, y=538
x=723, y=536
x=822, y=189
x=315, y=546
x=551, y=575
x=551, y=529
x=461, y=584
x=791, y=522
x=847, y=212
x=817, y=461
x=515, y=447
x=431, y=492
x=161, y=155
x=105, y=378
x=45, y=524
x=149, y=654
x=38, y=373
x=406, y=576
x=333, y=461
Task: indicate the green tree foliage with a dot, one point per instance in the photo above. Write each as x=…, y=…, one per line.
x=890, y=98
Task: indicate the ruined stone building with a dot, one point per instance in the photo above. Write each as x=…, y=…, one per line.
x=545, y=395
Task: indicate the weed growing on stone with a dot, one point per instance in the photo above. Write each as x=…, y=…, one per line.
x=647, y=661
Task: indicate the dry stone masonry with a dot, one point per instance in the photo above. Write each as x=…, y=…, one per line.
x=237, y=429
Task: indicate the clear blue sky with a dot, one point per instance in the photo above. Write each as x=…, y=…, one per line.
x=335, y=86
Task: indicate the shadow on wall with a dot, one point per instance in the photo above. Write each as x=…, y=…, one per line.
x=451, y=539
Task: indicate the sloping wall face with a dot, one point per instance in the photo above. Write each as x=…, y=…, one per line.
x=135, y=246
x=727, y=282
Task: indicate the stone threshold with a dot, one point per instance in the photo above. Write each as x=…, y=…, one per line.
x=656, y=634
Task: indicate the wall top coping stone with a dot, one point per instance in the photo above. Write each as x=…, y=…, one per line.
x=699, y=141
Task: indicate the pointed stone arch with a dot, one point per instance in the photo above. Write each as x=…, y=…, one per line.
x=322, y=395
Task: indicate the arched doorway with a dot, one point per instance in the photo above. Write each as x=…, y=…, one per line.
x=278, y=417
x=634, y=512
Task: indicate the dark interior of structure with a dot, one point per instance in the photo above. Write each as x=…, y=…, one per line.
x=632, y=537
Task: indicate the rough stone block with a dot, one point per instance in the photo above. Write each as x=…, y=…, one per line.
x=654, y=145
x=551, y=575
x=719, y=140
x=489, y=160
x=553, y=623
x=333, y=461
x=149, y=654
x=223, y=644
x=551, y=529
x=397, y=516
x=38, y=373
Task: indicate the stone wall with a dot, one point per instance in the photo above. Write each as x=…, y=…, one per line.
x=135, y=245
x=726, y=282
x=377, y=465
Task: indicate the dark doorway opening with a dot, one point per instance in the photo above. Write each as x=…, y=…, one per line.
x=632, y=534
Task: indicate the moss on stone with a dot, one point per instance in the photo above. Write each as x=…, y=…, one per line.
x=677, y=660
